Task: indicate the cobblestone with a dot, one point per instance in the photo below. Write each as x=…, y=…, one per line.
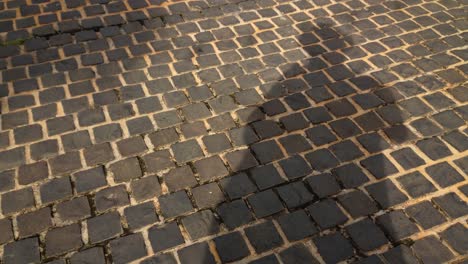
x=257, y=131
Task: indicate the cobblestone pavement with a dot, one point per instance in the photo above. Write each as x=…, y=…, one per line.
x=256, y=131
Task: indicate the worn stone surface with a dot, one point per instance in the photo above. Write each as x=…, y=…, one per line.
x=260, y=131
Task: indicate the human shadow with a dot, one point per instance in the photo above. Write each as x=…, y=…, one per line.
x=315, y=154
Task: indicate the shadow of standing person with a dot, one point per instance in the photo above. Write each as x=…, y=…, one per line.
x=314, y=156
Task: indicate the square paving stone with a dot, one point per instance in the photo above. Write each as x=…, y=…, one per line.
x=265, y=203
x=407, y=158
x=18, y=200
x=386, y=193
x=65, y=163
x=294, y=144
x=397, y=225
x=120, y=111
x=341, y=108
x=7, y=179
x=193, y=129
x=131, y=146
x=165, y=237
x=297, y=101
x=400, y=254
x=139, y=125
x=320, y=135
x=175, y=204
x=31, y=173
x=350, y=175
x=322, y=159
x=210, y=168
x=267, y=151
x=457, y=140
x=415, y=106
x=111, y=197
x=34, y=222
x=431, y=249
x=456, y=236
x=108, y=132
x=345, y=128
x=379, y=165
x=22, y=251
x=327, y=214
x=75, y=209
x=90, y=117
x=158, y=161
x=294, y=194
x=128, y=248
x=241, y=160
x=273, y=107
x=90, y=179
x=452, y=204
x=400, y=134
x=323, y=185
x=104, y=227
x=201, y=224
x=369, y=121
x=366, y=235
x=179, y=178
x=392, y=114
x=167, y=258
x=416, y=184
x=346, y=151
x=216, y=143
x=27, y=134
x=334, y=247
x=449, y=119
x=6, y=230
x=208, y=195
x=235, y=213
x=267, y=129
x=462, y=163
x=294, y=122
x=243, y=136
x=148, y=105
x=426, y=127
x=295, y=167
x=373, y=142
x=126, y=170
x=197, y=253
x=434, y=148
x=196, y=111
x=264, y=236
x=94, y=255
x=357, y=203
x=231, y=247
x=297, y=225
x=76, y=140
x=425, y=214
x=444, y=174
x=63, y=239
x=12, y=120
x=98, y=154
x=187, y=151
x=237, y=186
x=297, y=254
x=367, y=100
x=317, y=115
x=268, y=259
x=140, y=215
x=266, y=176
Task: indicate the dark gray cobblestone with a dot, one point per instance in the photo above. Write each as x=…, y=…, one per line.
x=251, y=131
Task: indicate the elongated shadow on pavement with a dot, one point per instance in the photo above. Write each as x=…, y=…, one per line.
x=313, y=157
